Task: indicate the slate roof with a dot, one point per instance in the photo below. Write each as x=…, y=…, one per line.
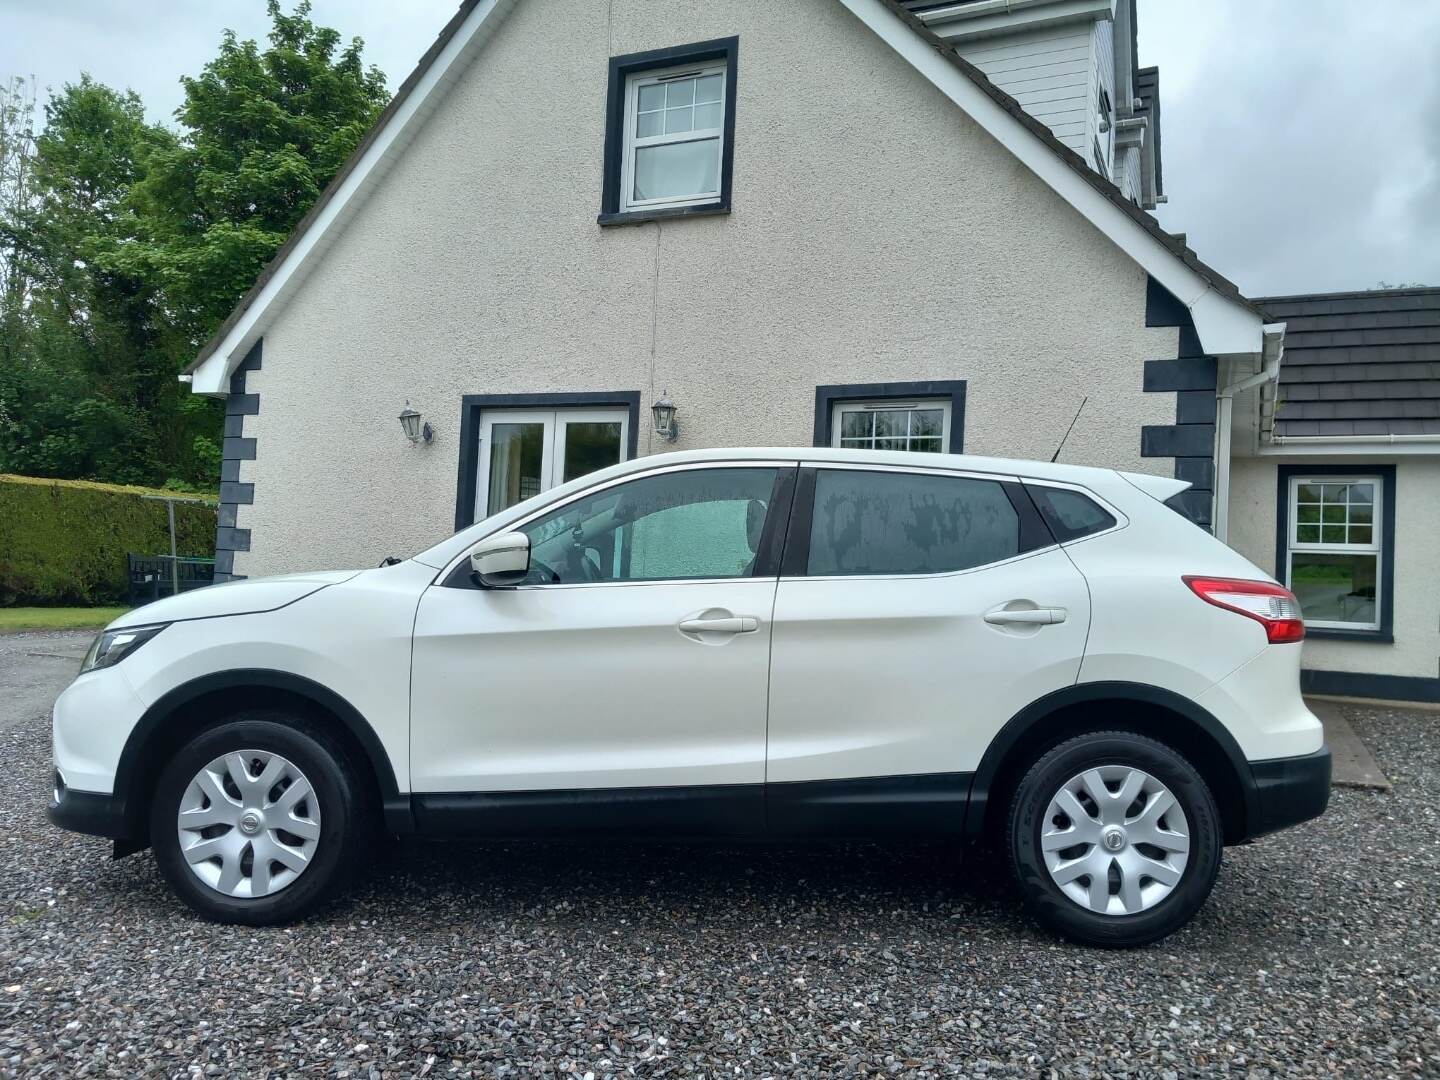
x=1359, y=363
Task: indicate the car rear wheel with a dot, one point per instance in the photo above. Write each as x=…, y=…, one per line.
x=1114, y=838
x=259, y=820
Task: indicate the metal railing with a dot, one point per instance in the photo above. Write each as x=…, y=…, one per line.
x=154, y=576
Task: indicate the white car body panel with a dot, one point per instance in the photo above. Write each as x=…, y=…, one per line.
x=893, y=676
x=233, y=598
x=353, y=639
x=629, y=701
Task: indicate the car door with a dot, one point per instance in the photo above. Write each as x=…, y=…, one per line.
x=634, y=655
x=917, y=612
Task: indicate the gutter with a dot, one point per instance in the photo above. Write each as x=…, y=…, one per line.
x=1272, y=355
x=1347, y=440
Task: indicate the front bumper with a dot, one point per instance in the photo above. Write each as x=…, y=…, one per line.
x=89, y=812
x=1287, y=791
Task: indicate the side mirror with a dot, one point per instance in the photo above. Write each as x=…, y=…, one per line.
x=501, y=560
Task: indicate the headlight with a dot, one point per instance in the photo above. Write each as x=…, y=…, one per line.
x=112, y=646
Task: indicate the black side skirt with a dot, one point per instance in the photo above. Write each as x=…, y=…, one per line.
x=887, y=806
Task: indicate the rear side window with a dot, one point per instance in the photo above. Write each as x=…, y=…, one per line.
x=1070, y=514
x=908, y=523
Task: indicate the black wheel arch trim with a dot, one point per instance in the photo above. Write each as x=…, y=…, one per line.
x=395, y=805
x=1015, y=730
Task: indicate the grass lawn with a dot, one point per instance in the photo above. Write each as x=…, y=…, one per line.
x=57, y=618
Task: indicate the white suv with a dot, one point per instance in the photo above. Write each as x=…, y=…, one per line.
x=783, y=643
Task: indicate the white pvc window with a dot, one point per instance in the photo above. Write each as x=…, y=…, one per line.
x=887, y=424
x=526, y=451
x=674, y=137
x=1335, y=550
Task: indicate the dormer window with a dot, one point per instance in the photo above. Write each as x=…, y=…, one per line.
x=670, y=132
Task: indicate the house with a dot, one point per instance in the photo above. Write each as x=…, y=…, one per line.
x=1335, y=485
x=815, y=222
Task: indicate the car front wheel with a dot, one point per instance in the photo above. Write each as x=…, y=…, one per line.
x=1114, y=838
x=258, y=820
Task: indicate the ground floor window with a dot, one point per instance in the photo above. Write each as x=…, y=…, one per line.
x=925, y=417
x=1337, y=546
x=526, y=451
x=514, y=446
x=890, y=425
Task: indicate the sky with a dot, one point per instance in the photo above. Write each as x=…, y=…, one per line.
x=1300, y=138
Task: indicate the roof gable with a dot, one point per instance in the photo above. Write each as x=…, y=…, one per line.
x=1225, y=322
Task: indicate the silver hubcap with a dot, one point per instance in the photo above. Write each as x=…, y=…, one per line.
x=1115, y=840
x=249, y=823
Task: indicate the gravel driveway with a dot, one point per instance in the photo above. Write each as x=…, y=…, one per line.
x=1316, y=953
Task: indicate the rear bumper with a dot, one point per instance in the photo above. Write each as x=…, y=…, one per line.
x=1288, y=791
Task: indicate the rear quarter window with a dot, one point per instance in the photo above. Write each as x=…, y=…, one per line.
x=1070, y=514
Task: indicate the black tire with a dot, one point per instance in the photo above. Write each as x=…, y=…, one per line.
x=1048, y=903
x=347, y=818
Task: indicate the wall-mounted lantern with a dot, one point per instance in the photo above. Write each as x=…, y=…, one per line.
x=664, y=411
x=415, y=427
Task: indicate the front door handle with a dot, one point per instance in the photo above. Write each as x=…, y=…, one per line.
x=1044, y=616
x=731, y=624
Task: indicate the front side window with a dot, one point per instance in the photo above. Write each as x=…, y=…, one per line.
x=874, y=522
x=892, y=425
x=694, y=523
x=1335, y=550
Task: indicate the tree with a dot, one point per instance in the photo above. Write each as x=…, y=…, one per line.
x=88, y=359
x=17, y=152
x=125, y=244
x=265, y=132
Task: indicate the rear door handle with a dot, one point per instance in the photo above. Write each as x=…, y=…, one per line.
x=1044, y=616
x=733, y=624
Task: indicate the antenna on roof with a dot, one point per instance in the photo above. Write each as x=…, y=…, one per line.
x=1055, y=456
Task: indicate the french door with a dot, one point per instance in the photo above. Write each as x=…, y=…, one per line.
x=526, y=451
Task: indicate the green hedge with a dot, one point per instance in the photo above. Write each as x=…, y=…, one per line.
x=65, y=541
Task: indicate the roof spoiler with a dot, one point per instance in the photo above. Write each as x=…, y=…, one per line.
x=1159, y=488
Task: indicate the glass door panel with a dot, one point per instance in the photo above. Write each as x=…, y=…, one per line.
x=586, y=441
x=526, y=451
x=517, y=458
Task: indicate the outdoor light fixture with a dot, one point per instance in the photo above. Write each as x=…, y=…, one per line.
x=416, y=430
x=664, y=411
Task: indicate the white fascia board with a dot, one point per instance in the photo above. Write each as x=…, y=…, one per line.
x=1223, y=326
x=990, y=18
x=213, y=375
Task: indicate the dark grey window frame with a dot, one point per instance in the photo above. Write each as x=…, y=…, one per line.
x=1385, y=635
x=621, y=69
x=472, y=405
x=827, y=397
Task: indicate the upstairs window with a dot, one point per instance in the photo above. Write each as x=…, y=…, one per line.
x=674, y=135
x=670, y=132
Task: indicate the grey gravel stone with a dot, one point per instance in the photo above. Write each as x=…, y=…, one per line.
x=1316, y=955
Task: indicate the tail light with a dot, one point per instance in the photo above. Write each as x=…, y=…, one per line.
x=1272, y=606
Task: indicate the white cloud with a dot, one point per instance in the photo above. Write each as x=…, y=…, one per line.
x=1301, y=140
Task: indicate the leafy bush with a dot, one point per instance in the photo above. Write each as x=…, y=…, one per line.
x=65, y=541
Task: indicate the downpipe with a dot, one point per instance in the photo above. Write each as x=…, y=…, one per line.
x=1272, y=355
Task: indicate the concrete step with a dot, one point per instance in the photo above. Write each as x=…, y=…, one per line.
x=1352, y=762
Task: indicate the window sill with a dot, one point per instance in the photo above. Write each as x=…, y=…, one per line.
x=639, y=217
x=1373, y=637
